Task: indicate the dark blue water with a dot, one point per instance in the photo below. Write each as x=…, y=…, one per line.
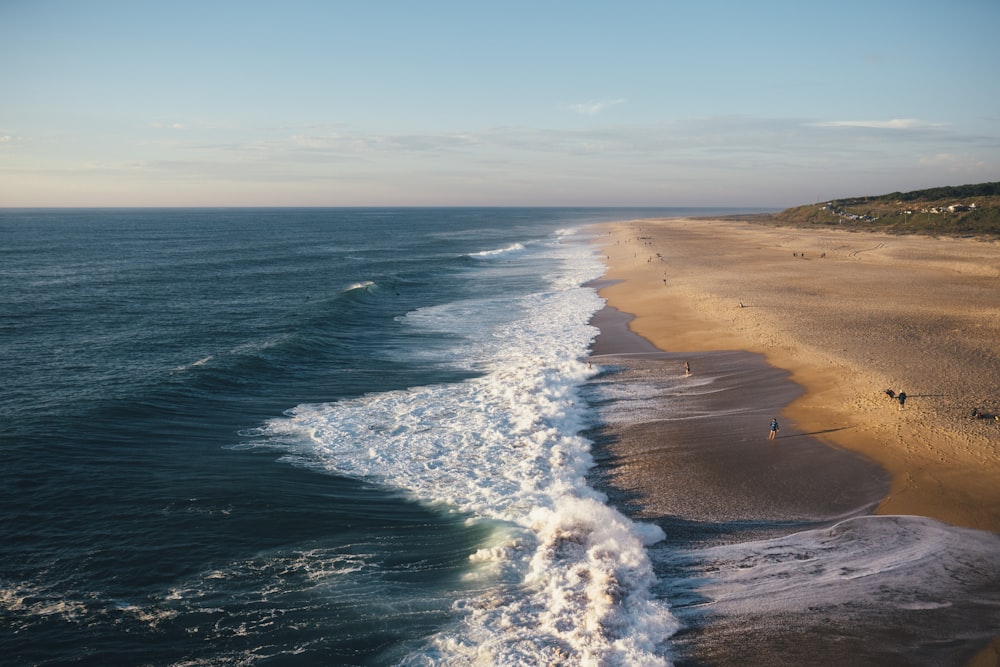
x=150, y=515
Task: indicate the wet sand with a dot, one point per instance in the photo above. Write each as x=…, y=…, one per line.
x=705, y=458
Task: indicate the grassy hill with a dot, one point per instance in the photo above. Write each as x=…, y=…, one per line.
x=964, y=210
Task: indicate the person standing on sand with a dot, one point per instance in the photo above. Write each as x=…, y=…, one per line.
x=902, y=399
x=774, y=429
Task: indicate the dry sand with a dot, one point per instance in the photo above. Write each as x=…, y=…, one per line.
x=848, y=315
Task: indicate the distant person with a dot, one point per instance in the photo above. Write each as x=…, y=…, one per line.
x=774, y=429
x=902, y=399
x=979, y=414
x=687, y=369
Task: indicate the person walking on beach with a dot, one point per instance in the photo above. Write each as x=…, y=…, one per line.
x=902, y=399
x=774, y=429
x=687, y=369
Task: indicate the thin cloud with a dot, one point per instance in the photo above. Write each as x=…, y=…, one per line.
x=893, y=124
x=594, y=108
x=356, y=144
x=633, y=158
x=952, y=162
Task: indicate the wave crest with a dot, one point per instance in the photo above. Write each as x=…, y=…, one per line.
x=360, y=285
x=498, y=252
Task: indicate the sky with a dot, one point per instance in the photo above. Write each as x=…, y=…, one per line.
x=514, y=103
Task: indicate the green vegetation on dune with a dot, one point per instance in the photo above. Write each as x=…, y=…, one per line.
x=964, y=210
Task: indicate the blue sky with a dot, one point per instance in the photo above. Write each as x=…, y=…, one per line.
x=379, y=102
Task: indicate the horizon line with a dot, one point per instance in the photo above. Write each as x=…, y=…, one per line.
x=389, y=206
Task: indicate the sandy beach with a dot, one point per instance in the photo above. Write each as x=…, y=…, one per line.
x=810, y=327
x=847, y=315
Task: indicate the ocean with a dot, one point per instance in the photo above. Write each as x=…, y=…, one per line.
x=332, y=437
x=304, y=436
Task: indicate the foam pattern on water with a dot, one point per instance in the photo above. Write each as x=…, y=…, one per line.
x=566, y=578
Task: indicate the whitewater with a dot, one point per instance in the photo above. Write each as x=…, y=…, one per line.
x=564, y=577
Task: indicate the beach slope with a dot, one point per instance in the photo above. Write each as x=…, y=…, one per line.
x=848, y=315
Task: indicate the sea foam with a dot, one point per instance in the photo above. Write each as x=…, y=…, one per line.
x=865, y=563
x=566, y=578
x=496, y=252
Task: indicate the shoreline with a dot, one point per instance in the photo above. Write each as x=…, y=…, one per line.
x=847, y=315
x=811, y=326
x=694, y=455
